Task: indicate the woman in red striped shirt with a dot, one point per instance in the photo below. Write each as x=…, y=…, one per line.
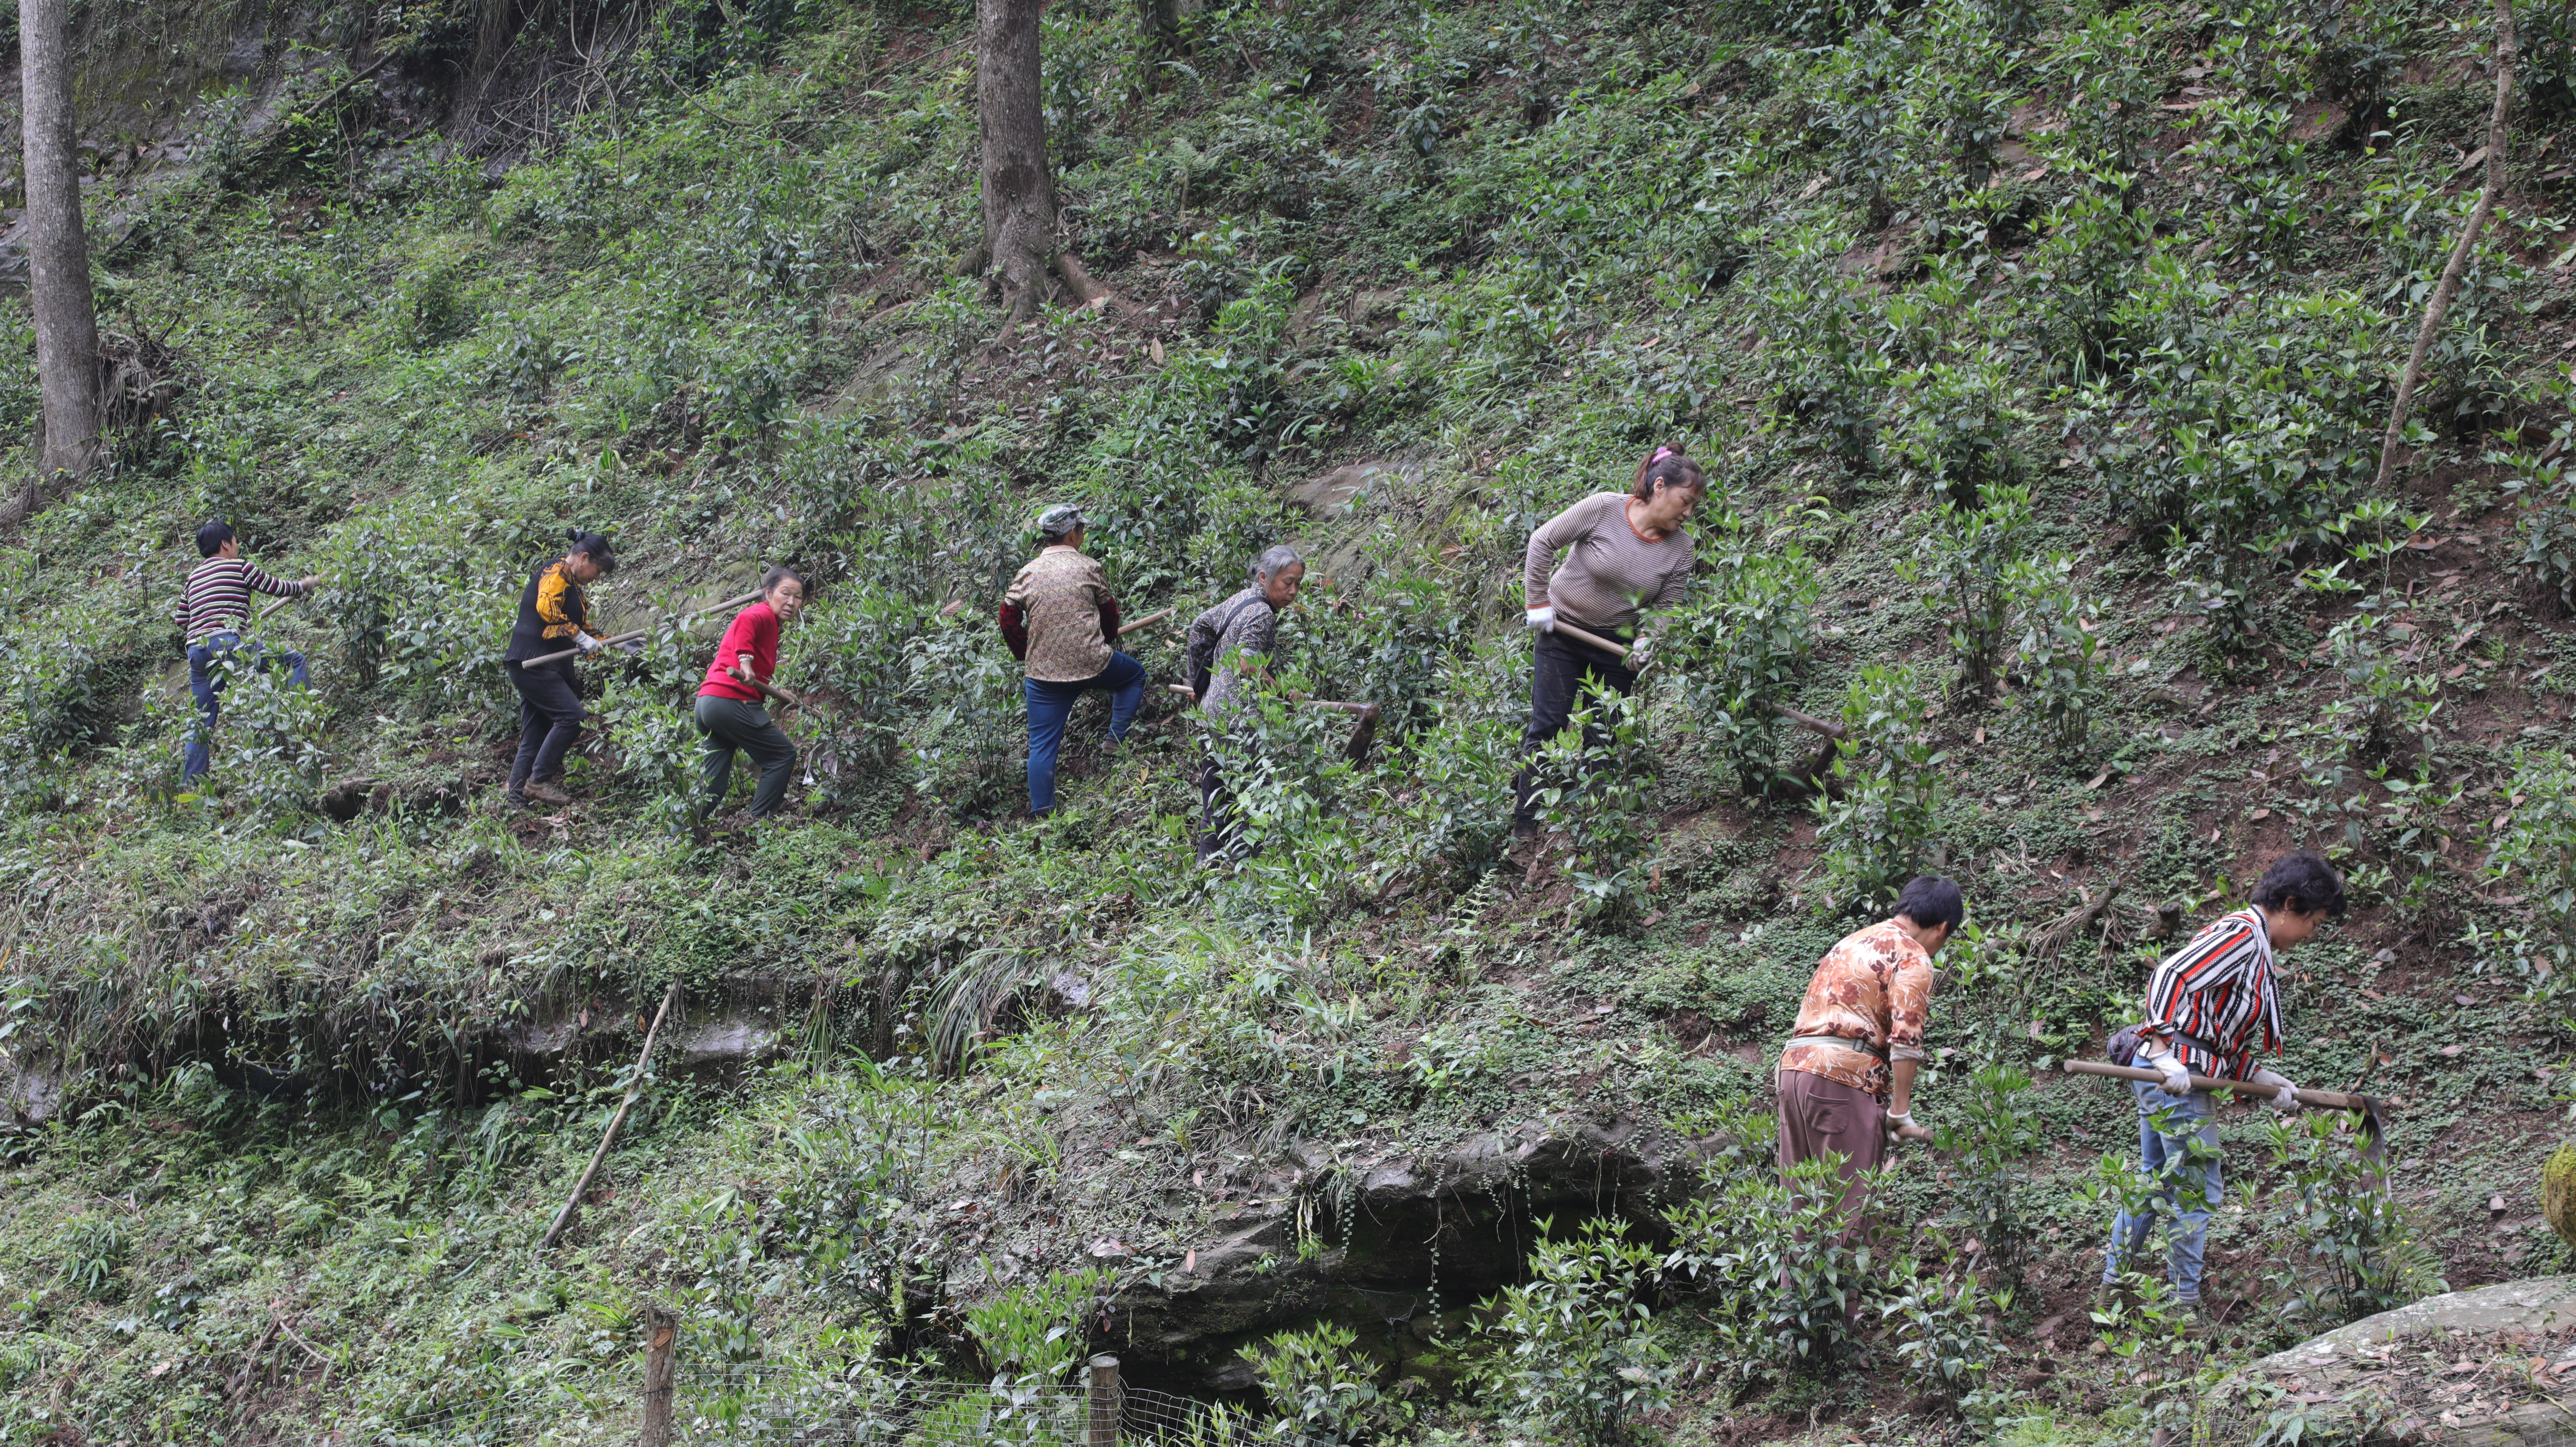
x=729, y=702
x=2213, y=1007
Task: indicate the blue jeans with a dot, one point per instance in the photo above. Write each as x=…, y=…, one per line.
x=226, y=650
x=1050, y=704
x=2190, y=1188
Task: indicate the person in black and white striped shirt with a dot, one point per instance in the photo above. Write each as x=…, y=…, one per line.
x=212, y=609
x=2213, y=1008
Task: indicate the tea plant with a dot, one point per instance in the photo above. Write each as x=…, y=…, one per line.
x=1741, y=650
x=1584, y=1354
x=1591, y=785
x=1991, y=1131
x=2063, y=666
x=2345, y=1248
x=1322, y=1390
x=1946, y=1338
x=1780, y=1267
x=1876, y=820
x=1970, y=564
x=2534, y=851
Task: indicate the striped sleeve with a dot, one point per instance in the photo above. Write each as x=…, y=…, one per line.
x=260, y=582
x=2214, y=1001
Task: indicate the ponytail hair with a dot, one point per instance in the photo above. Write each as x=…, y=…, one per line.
x=1671, y=467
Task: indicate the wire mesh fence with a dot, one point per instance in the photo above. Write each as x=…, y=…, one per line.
x=757, y=1404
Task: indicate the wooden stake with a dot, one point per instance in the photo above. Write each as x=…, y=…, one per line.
x=1128, y=628
x=635, y=1087
x=2449, y=287
x=661, y=1335
x=1101, y=1399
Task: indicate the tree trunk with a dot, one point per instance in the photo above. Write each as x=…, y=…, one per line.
x=1019, y=189
x=67, y=367
x=1160, y=20
x=2449, y=286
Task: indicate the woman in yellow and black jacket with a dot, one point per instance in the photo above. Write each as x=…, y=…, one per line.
x=553, y=613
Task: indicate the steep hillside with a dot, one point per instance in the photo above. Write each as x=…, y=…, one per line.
x=2040, y=356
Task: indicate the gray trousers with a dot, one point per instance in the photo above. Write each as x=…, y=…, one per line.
x=731, y=724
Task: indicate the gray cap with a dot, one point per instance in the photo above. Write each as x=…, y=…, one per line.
x=1058, y=520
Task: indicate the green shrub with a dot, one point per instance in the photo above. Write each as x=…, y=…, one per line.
x=2343, y=1248
x=2534, y=851
x=2060, y=657
x=1740, y=649
x=1591, y=796
x=1585, y=1354
x=94, y=1250
x=1769, y=1259
x=1324, y=1392
x=1950, y=433
x=1946, y=1338
x=1970, y=560
x=1989, y=1132
x=1876, y=820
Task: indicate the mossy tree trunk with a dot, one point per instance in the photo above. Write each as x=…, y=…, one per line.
x=67, y=361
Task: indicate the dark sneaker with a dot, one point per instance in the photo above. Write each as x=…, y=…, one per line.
x=514, y=799
x=545, y=791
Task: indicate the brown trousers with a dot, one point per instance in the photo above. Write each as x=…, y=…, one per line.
x=1819, y=1115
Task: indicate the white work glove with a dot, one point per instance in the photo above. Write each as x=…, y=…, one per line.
x=2285, y=1100
x=587, y=644
x=2177, y=1076
x=1542, y=620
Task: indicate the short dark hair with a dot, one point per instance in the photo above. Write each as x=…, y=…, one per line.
x=212, y=537
x=2301, y=883
x=1931, y=899
x=595, y=544
x=1671, y=467
x=770, y=580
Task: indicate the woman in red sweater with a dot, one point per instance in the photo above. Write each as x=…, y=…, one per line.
x=729, y=702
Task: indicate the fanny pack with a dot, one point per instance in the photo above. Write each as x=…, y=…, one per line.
x=2122, y=1047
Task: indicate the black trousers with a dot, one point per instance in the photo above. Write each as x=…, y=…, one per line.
x=549, y=720
x=1564, y=669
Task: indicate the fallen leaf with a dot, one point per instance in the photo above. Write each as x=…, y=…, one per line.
x=1190, y=1264
x=1107, y=1248
x=2495, y=1203
x=2462, y=1000
x=2450, y=1049
x=2457, y=670
x=1981, y=733
x=1813, y=186
x=2261, y=814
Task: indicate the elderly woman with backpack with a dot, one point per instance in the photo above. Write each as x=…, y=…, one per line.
x=1226, y=642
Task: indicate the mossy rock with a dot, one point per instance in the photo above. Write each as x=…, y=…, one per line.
x=2558, y=1193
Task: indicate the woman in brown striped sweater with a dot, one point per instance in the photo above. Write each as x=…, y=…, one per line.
x=1625, y=552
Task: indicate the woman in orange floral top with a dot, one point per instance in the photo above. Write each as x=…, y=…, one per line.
x=1846, y=1079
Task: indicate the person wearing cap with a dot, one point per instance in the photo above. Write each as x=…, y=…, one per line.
x=212, y=609
x=1846, y=1078
x=1061, y=621
x=1624, y=552
x=553, y=613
